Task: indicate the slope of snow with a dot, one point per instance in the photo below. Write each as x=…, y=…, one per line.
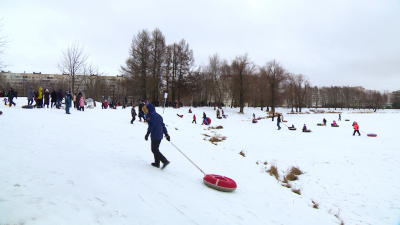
x=93, y=167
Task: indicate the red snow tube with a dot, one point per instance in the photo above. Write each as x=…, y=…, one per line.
x=209, y=120
x=371, y=135
x=220, y=183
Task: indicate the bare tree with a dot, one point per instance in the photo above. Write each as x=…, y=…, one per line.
x=72, y=62
x=242, y=68
x=302, y=85
x=275, y=74
x=3, y=43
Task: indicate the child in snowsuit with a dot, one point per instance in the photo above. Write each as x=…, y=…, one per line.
x=179, y=115
x=304, y=128
x=356, y=129
x=194, y=119
x=133, y=113
x=334, y=123
x=81, y=104
x=324, y=121
x=5, y=101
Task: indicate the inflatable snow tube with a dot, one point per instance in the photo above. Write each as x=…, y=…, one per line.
x=284, y=121
x=334, y=125
x=209, y=120
x=27, y=106
x=346, y=120
x=220, y=183
x=320, y=124
x=292, y=128
x=371, y=135
x=307, y=131
x=254, y=121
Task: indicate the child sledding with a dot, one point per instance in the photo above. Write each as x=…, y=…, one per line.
x=179, y=115
x=292, y=127
x=305, y=129
x=334, y=124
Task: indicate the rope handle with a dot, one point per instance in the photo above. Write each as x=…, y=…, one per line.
x=188, y=158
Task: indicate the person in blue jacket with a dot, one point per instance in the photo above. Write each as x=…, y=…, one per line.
x=156, y=128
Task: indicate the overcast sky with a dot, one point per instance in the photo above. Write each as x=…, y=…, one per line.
x=340, y=42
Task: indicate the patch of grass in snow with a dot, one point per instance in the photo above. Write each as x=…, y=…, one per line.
x=217, y=138
x=297, y=191
x=242, y=154
x=273, y=171
x=296, y=170
x=288, y=185
x=337, y=215
x=217, y=127
x=315, y=204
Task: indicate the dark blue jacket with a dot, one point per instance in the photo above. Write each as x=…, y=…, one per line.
x=156, y=124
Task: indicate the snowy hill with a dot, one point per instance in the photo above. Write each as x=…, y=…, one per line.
x=93, y=167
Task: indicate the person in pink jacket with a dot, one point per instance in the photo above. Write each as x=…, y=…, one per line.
x=81, y=104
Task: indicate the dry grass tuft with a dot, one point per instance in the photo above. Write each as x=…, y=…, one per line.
x=217, y=127
x=265, y=163
x=273, y=171
x=297, y=191
x=315, y=205
x=217, y=138
x=242, y=154
x=176, y=128
x=296, y=171
x=337, y=215
x=206, y=135
x=287, y=185
x=290, y=177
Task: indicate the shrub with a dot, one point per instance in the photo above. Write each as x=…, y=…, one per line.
x=242, y=154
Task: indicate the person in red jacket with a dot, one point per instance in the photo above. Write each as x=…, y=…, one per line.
x=356, y=127
x=194, y=119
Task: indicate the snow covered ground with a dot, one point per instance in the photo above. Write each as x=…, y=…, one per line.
x=93, y=167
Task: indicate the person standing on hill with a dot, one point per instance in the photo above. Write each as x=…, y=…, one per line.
x=133, y=113
x=141, y=113
x=30, y=95
x=68, y=101
x=194, y=119
x=59, y=98
x=53, y=98
x=356, y=128
x=278, y=121
x=11, y=95
x=47, y=98
x=156, y=128
x=340, y=118
x=81, y=102
x=40, y=98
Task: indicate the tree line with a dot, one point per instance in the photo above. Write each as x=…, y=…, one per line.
x=154, y=67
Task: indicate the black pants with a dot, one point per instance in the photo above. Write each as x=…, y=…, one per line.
x=194, y=121
x=133, y=119
x=357, y=132
x=11, y=102
x=155, y=144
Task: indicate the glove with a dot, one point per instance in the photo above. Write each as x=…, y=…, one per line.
x=147, y=136
x=167, y=137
